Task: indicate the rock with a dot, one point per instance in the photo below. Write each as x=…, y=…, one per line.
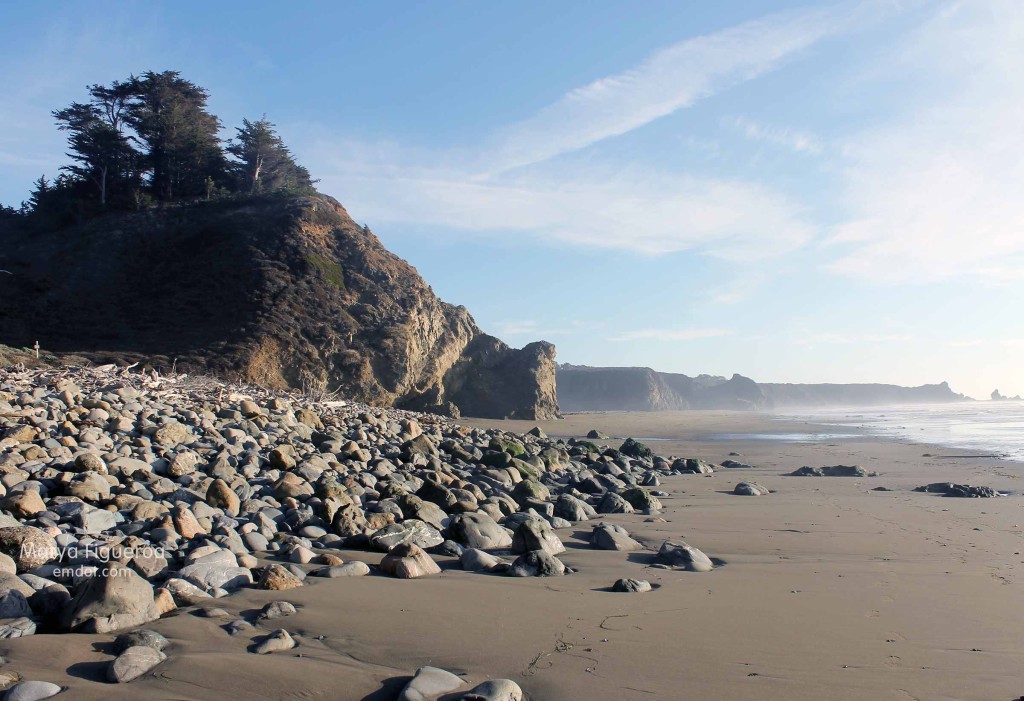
x=277, y=578
x=573, y=509
x=429, y=683
x=140, y=638
x=958, y=490
x=408, y=561
x=642, y=500
x=751, y=489
x=13, y=604
x=473, y=560
x=211, y=576
x=349, y=569
x=418, y=446
x=596, y=435
x=410, y=531
x=112, y=599
x=29, y=547
x=536, y=535
x=276, y=609
x=278, y=641
x=612, y=537
x=735, y=465
x=221, y=496
x=832, y=471
x=496, y=690
x=635, y=449
x=632, y=586
x=17, y=628
x=683, y=555
x=32, y=691
x=478, y=530
x=133, y=663
x=612, y=503
x=692, y=466
x=536, y=563
x=171, y=434
x=23, y=504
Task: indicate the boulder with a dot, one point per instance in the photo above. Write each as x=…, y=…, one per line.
x=495, y=690
x=429, y=683
x=612, y=537
x=685, y=556
x=478, y=530
x=277, y=578
x=750, y=489
x=631, y=586
x=28, y=546
x=112, y=599
x=133, y=663
x=536, y=535
x=536, y=563
x=408, y=561
x=410, y=531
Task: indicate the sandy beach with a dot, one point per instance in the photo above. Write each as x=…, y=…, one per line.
x=828, y=589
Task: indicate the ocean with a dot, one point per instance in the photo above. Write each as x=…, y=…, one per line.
x=994, y=428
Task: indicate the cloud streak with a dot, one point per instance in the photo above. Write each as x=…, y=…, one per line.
x=670, y=334
x=669, y=80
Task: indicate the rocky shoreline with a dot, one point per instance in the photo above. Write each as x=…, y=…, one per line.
x=127, y=496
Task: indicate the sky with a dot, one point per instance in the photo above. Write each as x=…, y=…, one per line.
x=824, y=192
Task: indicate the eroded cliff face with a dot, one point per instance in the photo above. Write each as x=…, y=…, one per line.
x=285, y=292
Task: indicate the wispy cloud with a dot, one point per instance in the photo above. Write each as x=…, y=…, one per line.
x=936, y=191
x=792, y=139
x=669, y=80
x=670, y=334
x=641, y=212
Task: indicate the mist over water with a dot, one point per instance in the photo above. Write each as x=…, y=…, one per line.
x=995, y=428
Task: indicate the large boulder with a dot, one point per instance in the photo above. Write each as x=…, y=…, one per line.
x=408, y=561
x=536, y=563
x=411, y=531
x=684, y=556
x=478, y=530
x=28, y=546
x=612, y=537
x=430, y=683
x=112, y=599
x=536, y=534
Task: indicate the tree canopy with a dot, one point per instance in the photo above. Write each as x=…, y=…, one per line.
x=151, y=139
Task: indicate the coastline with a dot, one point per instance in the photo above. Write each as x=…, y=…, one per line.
x=828, y=589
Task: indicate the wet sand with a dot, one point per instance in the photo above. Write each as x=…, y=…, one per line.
x=829, y=590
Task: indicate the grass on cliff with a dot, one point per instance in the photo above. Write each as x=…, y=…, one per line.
x=332, y=271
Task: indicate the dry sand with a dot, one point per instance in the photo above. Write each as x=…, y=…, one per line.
x=830, y=590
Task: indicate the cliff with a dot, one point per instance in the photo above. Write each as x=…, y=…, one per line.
x=287, y=292
x=582, y=388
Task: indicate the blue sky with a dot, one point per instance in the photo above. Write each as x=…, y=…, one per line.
x=797, y=192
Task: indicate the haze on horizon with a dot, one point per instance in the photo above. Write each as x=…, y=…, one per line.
x=795, y=192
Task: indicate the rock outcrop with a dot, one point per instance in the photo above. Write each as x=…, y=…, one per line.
x=286, y=292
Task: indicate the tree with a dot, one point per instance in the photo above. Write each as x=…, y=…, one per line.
x=264, y=163
x=40, y=194
x=169, y=116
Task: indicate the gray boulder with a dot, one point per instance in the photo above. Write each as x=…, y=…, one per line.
x=685, y=556
x=478, y=530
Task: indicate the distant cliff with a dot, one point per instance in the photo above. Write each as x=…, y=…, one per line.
x=797, y=395
x=582, y=388
x=288, y=292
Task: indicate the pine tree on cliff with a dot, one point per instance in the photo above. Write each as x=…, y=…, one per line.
x=264, y=163
x=101, y=151
x=182, y=149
